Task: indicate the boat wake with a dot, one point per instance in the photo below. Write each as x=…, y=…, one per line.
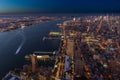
x=22, y=43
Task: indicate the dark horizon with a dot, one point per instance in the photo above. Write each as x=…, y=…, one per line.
x=87, y=12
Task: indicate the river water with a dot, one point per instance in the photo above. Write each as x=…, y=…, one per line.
x=31, y=38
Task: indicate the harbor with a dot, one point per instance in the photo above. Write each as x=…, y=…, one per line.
x=89, y=46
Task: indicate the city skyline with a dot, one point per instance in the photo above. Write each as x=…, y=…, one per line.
x=59, y=6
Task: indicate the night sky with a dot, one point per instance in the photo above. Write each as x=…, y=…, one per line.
x=59, y=6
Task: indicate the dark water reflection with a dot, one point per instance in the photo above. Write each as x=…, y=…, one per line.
x=10, y=41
